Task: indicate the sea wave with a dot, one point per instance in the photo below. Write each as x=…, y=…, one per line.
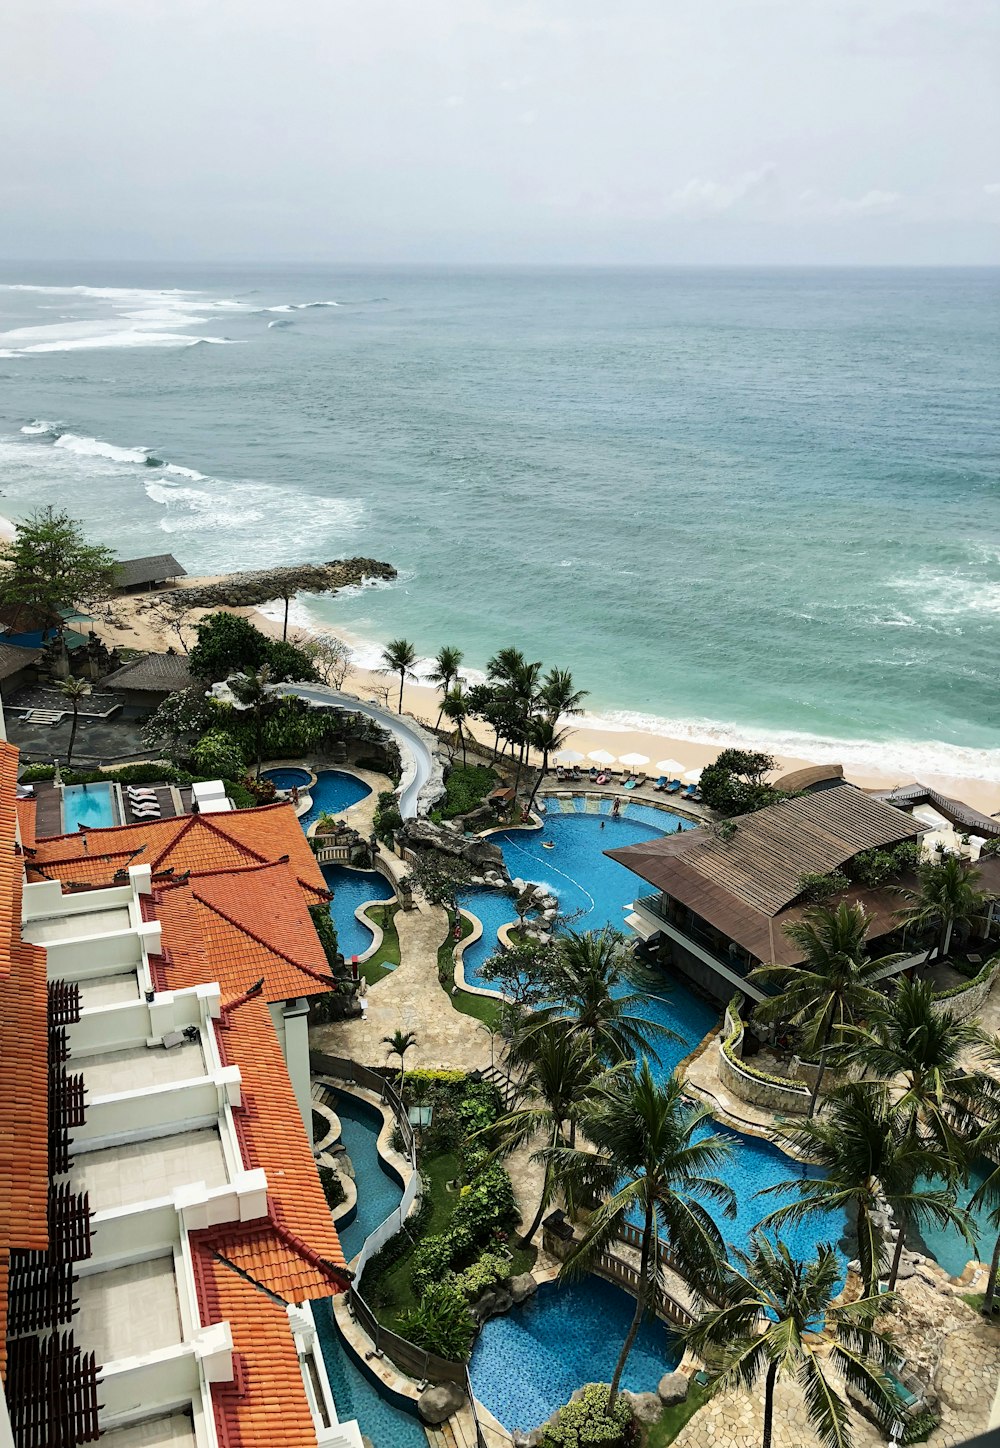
x=92, y=447
x=38, y=427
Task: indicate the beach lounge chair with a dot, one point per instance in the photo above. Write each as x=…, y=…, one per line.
x=631, y=782
x=661, y=784
x=560, y=772
x=139, y=793
x=576, y=772
x=149, y=811
x=640, y=778
x=674, y=787
x=690, y=792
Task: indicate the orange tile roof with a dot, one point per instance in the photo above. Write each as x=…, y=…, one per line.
x=236, y=926
x=241, y=1271
x=198, y=842
x=10, y=864
x=25, y=809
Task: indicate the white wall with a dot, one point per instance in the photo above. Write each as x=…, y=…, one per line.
x=292, y=1025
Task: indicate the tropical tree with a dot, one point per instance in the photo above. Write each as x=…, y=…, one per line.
x=73, y=690
x=559, y=696
x=765, y=1326
x=586, y=1000
x=650, y=1163
x=870, y=1158
x=447, y=662
x=252, y=691
x=987, y=1194
x=455, y=707
x=559, y=1070
x=48, y=566
x=546, y=737
x=399, y=1043
x=832, y=989
x=946, y=896
x=937, y=1062
x=399, y=657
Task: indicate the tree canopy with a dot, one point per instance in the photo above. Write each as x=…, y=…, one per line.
x=734, y=784
x=51, y=566
x=230, y=644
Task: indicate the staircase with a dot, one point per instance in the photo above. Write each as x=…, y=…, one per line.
x=43, y=716
x=507, y=1090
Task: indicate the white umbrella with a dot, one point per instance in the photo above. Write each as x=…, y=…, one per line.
x=692, y=775
x=634, y=761
x=670, y=766
x=568, y=756
x=601, y=756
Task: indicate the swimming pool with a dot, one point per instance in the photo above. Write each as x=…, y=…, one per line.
x=352, y=888
x=89, y=805
x=290, y=778
x=332, y=793
x=526, y=1364
x=379, y=1189
x=946, y=1244
x=356, y=1396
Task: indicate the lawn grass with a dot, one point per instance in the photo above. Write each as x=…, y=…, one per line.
x=483, y=1008
x=673, y=1418
x=386, y=958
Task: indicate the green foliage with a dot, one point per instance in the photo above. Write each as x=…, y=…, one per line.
x=467, y=786
x=322, y=921
x=49, y=566
x=180, y=717
x=588, y=1424
x=230, y=644
x=734, y=784
x=990, y=848
x=333, y=1187
x=441, y=1323
x=918, y=1427
x=440, y=876
x=488, y=1272
x=239, y=794
x=387, y=818
x=218, y=754
x=488, y=1205
x=874, y=867
x=815, y=888
x=433, y=1257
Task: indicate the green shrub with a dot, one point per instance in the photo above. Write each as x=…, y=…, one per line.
x=874, y=867
x=487, y=1204
x=485, y=1273
x=333, y=1187
x=588, y=1424
x=219, y=755
x=467, y=786
x=442, y=1323
x=919, y=1426
x=239, y=794
x=387, y=818
x=228, y=644
x=431, y=1259
x=815, y=888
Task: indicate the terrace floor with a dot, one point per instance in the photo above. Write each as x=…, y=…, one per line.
x=78, y=925
x=140, y=1067
x=174, y=1431
x=120, y=1176
x=109, y=990
x=128, y=1311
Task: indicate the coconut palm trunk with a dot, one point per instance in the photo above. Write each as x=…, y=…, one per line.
x=991, y=1283
x=823, y=1051
x=72, y=730
x=769, y=1382
x=546, y=1196
x=641, y=1294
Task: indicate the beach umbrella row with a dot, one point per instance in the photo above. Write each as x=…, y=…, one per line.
x=672, y=767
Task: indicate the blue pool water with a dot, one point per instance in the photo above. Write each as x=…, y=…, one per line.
x=90, y=805
x=527, y=1364
x=332, y=793
x=290, y=778
x=379, y=1192
x=352, y=888
x=356, y=1396
x=948, y=1246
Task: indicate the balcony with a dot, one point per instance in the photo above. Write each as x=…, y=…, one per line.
x=700, y=942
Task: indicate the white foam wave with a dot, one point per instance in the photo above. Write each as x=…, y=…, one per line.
x=38, y=427
x=298, y=306
x=956, y=593
x=92, y=447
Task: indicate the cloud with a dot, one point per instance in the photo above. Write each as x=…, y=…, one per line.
x=700, y=198
x=871, y=203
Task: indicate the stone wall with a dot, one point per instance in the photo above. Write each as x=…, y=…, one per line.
x=238, y=590
x=747, y=1084
x=969, y=1000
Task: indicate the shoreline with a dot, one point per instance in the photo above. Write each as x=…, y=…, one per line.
x=139, y=627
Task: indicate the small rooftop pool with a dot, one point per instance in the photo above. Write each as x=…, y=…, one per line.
x=527, y=1363
x=91, y=806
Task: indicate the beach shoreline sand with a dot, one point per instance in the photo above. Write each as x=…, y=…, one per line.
x=140, y=623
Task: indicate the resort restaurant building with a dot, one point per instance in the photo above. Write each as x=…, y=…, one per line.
x=164, y=1237
x=721, y=897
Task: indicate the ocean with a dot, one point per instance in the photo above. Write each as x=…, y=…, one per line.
x=757, y=504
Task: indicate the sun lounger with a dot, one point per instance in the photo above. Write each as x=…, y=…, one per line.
x=576, y=772
x=674, y=787
x=146, y=811
x=140, y=793
x=690, y=792
x=661, y=783
x=640, y=779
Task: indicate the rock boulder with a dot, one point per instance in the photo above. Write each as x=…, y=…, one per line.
x=645, y=1406
x=672, y=1388
x=522, y=1287
x=438, y=1402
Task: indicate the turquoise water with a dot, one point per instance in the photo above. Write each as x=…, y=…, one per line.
x=526, y=1364
x=752, y=500
x=948, y=1246
x=355, y=1395
x=379, y=1192
x=89, y=805
x=332, y=793
x=352, y=888
x=289, y=778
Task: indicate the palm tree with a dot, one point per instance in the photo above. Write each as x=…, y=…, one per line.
x=766, y=1326
x=834, y=986
x=649, y=1161
x=931, y=1055
x=74, y=690
x=251, y=689
x=547, y=737
x=945, y=896
x=399, y=1043
x=987, y=1194
x=399, y=657
x=455, y=707
x=558, y=696
x=871, y=1158
x=560, y=1069
x=447, y=662
x=587, y=1003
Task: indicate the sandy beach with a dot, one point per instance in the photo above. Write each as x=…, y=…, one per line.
x=140, y=622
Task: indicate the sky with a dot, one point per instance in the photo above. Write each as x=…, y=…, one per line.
x=475, y=131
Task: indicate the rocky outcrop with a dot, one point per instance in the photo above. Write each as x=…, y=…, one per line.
x=437, y=1403
x=264, y=585
x=422, y=834
x=646, y=1407
x=522, y=1287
